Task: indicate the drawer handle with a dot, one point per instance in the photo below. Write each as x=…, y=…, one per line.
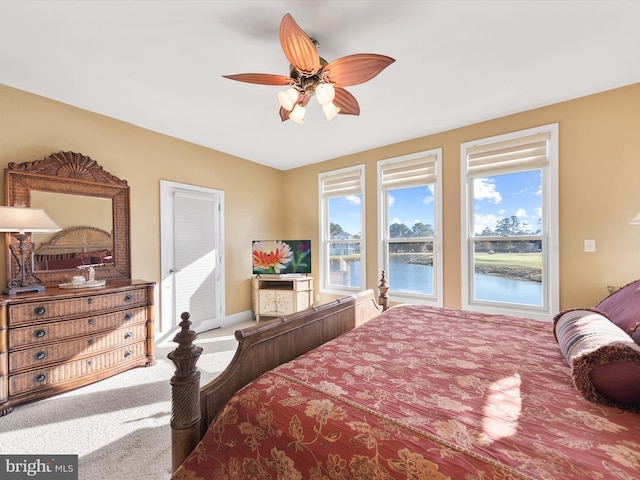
x=128, y=298
x=128, y=353
x=128, y=335
x=90, y=341
x=128, y=316
x=41, y=377
x=89, y=301
x=89, y=362
x=90, y=321
x=39, y=333
x=40, y=355
x=39, y=310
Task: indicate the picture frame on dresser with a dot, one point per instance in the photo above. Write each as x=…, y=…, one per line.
x=64, y=338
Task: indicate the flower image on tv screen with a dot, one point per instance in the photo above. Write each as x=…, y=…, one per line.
x=281, y=256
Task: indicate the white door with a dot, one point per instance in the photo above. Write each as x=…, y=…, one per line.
x=192, y=252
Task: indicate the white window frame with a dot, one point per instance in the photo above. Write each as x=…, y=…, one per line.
x=330, y=185
x=427, y=165
x=550, y=228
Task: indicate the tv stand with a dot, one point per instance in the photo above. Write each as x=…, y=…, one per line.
x=279, y=296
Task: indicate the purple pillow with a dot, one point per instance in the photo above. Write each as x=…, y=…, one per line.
x=623, y=308
x=604, y=361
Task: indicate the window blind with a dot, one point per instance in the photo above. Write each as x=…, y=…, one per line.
x=528, y=152
x=348, y=182
x=409, y=173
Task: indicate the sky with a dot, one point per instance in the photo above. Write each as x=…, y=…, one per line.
x=496, y=197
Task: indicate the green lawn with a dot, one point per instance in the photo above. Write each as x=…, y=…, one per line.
x=521, y=259
x=522, y=266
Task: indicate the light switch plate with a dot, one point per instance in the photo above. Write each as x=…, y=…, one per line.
x=589, y=245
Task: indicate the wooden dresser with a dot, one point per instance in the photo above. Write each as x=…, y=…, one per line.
x=60, y=339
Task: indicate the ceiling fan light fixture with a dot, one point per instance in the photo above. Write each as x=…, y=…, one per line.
x=310, y=74
x=325, y=93
x=297, y=114
x=288, y=98
x=330, y=110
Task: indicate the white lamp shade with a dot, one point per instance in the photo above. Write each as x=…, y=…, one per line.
x=636, y=220
x=297, y=114
x=330, y=110
x=325, y=93
x=24, y=219
x=288, y=98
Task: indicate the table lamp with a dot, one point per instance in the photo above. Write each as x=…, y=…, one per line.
x=21, y=221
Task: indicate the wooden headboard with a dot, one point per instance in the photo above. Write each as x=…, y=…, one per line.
x=77, y=240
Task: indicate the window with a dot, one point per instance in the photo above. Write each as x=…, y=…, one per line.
x=510, y=223
x=409, y=213
x=342, y=253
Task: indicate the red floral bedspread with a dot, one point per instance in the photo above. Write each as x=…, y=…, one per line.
x=421, y=393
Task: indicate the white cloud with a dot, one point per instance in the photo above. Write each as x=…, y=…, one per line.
x=430, y=198
x=521, y=213
x=480, y=222
x=485, y=189
x=354, y=199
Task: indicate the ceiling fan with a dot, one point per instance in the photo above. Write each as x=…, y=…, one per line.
x=311, y=74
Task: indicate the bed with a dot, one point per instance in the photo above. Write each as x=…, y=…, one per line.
x=416, y=392
x=75, y=247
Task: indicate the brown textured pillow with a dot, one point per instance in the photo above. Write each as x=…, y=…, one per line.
x=605, y=362
x=623, y=308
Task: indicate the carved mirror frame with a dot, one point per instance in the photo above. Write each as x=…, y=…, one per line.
x=75, y=174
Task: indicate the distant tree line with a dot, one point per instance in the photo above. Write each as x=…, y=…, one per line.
x=510, y=227
x=505, y=227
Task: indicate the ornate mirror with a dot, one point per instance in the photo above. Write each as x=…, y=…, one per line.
x=90, y=204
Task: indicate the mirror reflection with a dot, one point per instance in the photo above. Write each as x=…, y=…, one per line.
x=86, y=236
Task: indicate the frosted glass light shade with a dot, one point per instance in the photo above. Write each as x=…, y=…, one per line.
x=636, y=220
x=297, y=114
x=330, y=110
x=325, y=93
x=288, y=98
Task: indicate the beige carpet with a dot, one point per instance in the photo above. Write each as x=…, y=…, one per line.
x=118, y=427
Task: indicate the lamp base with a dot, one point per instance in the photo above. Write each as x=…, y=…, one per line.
x=14, y=290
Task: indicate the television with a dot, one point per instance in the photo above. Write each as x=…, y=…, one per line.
x=281, y=257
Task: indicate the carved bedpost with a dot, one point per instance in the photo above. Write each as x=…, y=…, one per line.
x=383, y=296
x=185, y=394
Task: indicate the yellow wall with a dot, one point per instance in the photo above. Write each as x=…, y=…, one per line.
x=599, y=186
x=32, y=127
x=599, y=169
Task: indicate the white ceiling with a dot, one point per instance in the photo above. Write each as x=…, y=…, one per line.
x=159, y=64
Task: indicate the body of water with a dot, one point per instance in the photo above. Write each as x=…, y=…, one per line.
x=418, y=278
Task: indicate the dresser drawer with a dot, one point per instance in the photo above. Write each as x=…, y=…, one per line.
x=48, y=332
x=67, y=351
x=74, y=370
x=52, y=309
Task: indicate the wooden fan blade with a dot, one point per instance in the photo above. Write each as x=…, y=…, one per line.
x=356, y=69
x=298, y=47
x=346, y=102
x=261, y=78
x=284, y=114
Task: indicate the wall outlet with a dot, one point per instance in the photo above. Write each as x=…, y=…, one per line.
x=589, y=246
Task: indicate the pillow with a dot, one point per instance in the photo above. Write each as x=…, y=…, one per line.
x=604, y=361
x=623, y=308
x=63, y=263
